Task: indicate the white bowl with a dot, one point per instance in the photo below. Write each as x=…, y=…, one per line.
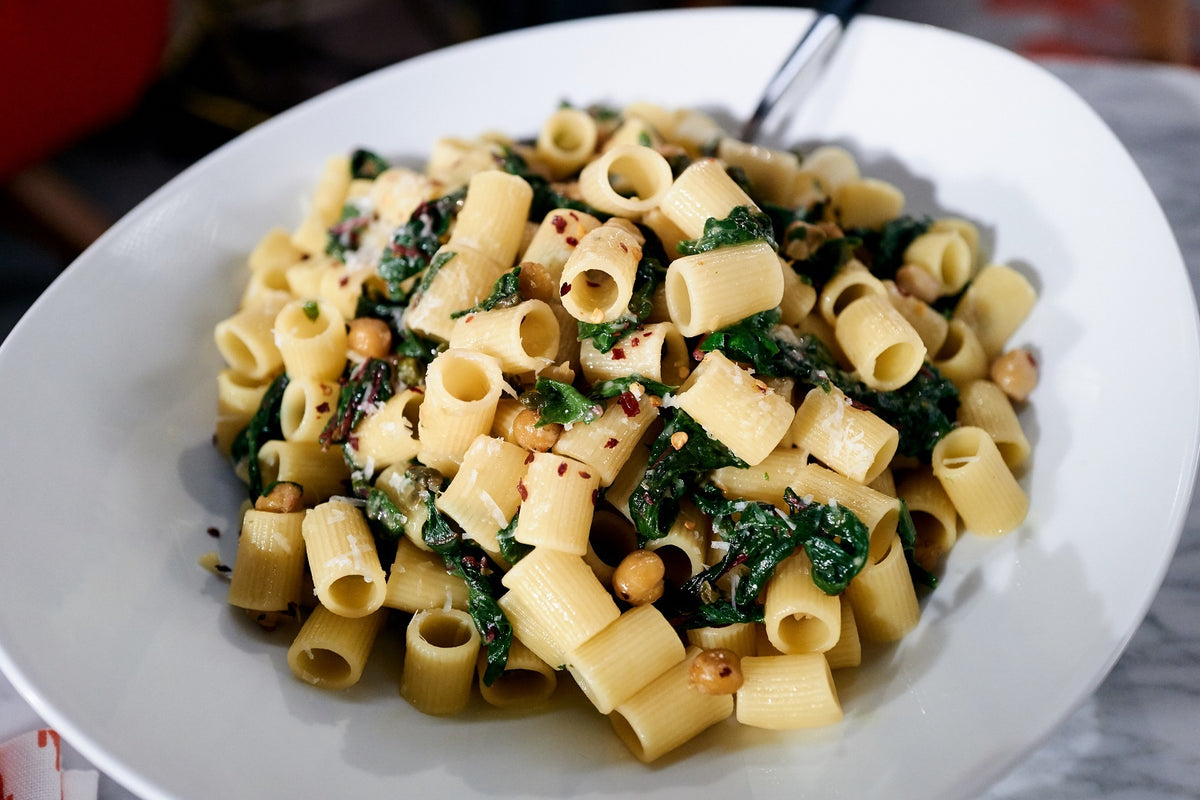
x=119, y=639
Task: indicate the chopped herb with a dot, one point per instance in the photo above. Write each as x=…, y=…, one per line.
x=262, y=428
x=311, y=310
x=364, y=387
x=644, y=139
x=673, y=472
x=604, y=335
x=506, y=293
x=415, y=242
x=744, y=224
x=366, y=164
x=467, y=560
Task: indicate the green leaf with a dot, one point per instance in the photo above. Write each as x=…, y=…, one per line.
x=907, y=531
x=673, y=472
x=923, y=410
x=545, y=197
x=345, y=235
x=471, y=563
x=506, y=292
x=558, y=402
x=882, y=250
x=262, y=428
x=414, y=243
x=311, y=310
x=366, y=164
x=364, y=387
x=605, y=335
x=510, y=549
x=744, y=224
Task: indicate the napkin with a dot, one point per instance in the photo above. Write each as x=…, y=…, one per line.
x=31, y=769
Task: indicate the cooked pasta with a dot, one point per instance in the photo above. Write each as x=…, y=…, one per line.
x=681, y=419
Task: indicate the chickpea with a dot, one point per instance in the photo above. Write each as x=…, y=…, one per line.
x=917, y=282
x=526, y=433
x=1016, y=373
x=716, y=671
x=370, y=337
x=284, y=498
x=638, y=579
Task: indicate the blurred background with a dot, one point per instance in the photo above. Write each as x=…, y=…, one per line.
x=105, y=102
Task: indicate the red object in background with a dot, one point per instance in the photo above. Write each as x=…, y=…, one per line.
x=68, y=67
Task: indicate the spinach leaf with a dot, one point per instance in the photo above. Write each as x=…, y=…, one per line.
x=759, y=537
x=366, y=164
x=907, y=531
x=604, y=335
x=506, y=293
x=364, y=387
x=545, y=197
x=923, y=410
x=415, y=242
x=558, y=402
x=510, y=549
x=262, y=428
x=616, y=387
x=345, y=235
x=676, y=465
x=744, y=224
x=882, y=250
x=467, y=560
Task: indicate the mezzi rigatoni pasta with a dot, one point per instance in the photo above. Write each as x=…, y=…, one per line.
x=631, y=403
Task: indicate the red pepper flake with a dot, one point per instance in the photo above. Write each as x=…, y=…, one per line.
x=562, y=468
x=573, y=215
x=611, y=443
x=344, y=280
x=624, y=248
x=571, y=240
x=585, y=475
x=323, y=408
x=521, y=490
x=618, y=353
x=213, y=532
x=595, y=496
x=593, y=284
x=529, y=458
x=469, y=318
x=564, y=289
x=352, y=440
x=634, y=342
x=629, y=404
x=559, y=223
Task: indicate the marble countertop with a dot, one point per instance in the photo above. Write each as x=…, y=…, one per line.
x=1138, y=736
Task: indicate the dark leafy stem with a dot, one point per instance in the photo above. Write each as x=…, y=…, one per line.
x=471, y=563
x=262, y=428
x=364, y=387
x=545, y=197
x=414, y=243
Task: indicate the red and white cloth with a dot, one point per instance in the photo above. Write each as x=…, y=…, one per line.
x=31, y=769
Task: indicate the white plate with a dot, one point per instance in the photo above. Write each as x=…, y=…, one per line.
x=120, y=640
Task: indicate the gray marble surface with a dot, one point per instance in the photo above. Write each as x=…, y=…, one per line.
x=1138, y=736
